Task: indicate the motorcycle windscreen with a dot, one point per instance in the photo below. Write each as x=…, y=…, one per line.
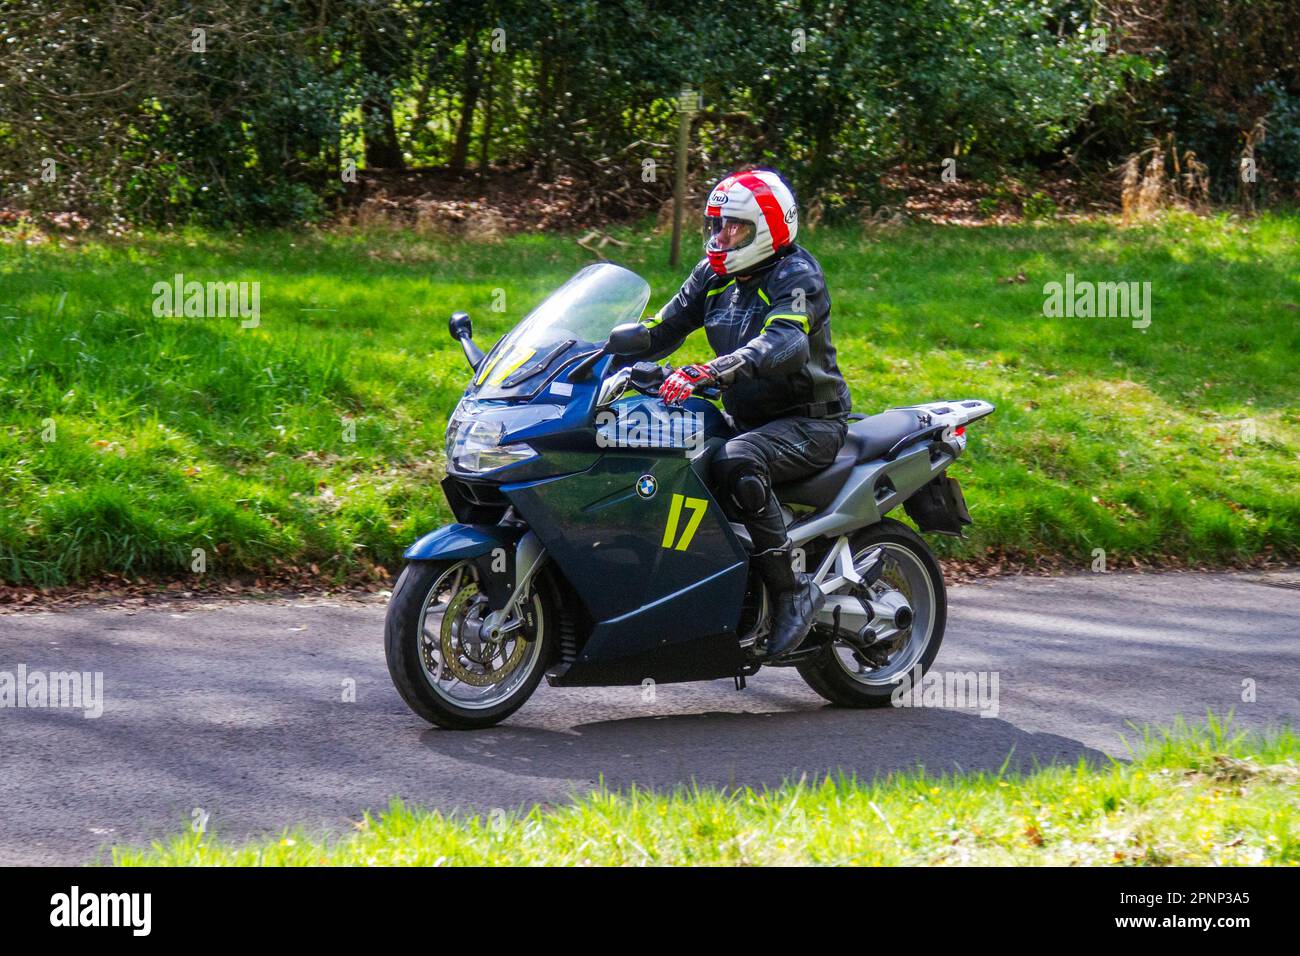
x=575, y=318
x=653, y=558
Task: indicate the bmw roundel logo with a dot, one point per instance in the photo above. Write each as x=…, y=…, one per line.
x=646, y=486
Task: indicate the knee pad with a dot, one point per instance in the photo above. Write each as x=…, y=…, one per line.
x=740, y=474
x=749, y=491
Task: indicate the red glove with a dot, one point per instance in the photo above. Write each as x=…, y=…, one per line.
x=685, y=380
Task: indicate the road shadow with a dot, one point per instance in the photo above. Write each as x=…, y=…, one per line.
x=761, y=750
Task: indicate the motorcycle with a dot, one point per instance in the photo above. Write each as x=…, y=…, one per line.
x=589, y=548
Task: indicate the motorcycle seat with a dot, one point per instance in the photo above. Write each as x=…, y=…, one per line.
x=867, y=439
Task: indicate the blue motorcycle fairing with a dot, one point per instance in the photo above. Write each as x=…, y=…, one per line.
x=456, y=541
x=550, y=427
x=661, y=575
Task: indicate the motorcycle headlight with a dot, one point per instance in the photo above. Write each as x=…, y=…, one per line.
x=474, y=445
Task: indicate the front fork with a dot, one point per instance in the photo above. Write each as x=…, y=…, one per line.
x=507, y=579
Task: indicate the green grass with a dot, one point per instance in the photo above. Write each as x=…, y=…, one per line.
x=172, y=434
x=1194, y=796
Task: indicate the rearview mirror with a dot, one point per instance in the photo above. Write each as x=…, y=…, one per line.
x=460, y=326
x=629, y=339
x=463, y=331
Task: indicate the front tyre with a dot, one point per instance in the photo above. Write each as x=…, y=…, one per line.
x=842, y=675
x=452, y=664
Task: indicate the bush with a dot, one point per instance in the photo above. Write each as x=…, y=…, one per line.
x=254, y=125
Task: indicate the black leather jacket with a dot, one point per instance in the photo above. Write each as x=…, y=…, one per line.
x=776, y=319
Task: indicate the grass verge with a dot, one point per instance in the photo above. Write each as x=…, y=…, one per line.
x=1194, y=795
x=313, y=442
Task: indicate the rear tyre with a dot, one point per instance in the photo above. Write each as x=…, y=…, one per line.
x=910, y=567
x=448, y=669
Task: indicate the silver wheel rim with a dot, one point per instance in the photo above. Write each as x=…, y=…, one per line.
x=905, y=572
x=461, y=668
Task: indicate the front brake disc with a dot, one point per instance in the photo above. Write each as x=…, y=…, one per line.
x=457, y=658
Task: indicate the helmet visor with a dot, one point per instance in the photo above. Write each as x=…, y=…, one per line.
x=724, y=233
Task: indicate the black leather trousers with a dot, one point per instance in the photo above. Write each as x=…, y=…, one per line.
x=783, y=450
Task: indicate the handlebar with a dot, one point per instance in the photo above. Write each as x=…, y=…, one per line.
x=701, y=391
x=647, y=377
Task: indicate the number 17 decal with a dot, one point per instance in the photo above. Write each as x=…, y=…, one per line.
x=698, y=506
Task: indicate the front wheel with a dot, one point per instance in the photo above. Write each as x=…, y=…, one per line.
x=453, y=664
x=840, y=673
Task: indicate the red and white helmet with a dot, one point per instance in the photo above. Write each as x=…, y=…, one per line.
x=749, y=217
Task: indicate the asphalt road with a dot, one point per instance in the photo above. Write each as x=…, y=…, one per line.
x=236, y=710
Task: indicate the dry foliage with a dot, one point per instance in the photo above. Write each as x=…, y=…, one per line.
x=1159, y=178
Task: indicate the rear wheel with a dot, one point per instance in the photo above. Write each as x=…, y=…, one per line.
x=451, y=663
x=844, y=675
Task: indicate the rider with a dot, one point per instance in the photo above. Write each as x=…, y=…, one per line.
x=764, y=306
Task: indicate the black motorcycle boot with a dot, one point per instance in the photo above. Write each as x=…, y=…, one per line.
x=796, y=598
